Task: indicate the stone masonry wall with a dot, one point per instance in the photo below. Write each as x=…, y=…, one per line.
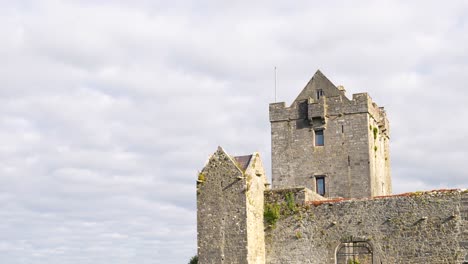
x=354, y=163
x=230, y=199
x=221, y=212
x=379, y=157
x=414, y=228
x=256, y=180
x=463, y=242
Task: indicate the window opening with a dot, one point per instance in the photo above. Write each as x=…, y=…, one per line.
x=320, y=185
x=319, y=140
x=319, y=93
x=342, y=128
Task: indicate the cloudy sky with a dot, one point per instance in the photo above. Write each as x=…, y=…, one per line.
x=109, y=108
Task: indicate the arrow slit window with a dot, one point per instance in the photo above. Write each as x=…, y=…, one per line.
x=319, y=94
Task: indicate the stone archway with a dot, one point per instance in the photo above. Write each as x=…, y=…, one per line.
x=356, y=252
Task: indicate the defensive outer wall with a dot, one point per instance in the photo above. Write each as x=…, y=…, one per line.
x=420, y=227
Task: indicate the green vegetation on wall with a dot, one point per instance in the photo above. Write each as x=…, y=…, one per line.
x=271, y=213
x=298, y=234
x=194, y=260
x=290, y=202
x=376, y=131
x=201, y=177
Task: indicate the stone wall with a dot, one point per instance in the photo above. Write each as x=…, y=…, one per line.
x=379, y=157
x=221, y=212
x=414, y=228
x=230, y=198
x=463, y=242
x=256, y=180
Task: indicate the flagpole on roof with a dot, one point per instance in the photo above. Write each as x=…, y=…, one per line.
x=275, y=83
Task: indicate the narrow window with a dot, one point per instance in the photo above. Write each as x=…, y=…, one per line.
x=320, y=185
x=349, y=161
x=319, y=93
x=319, y=140
x=342, y=128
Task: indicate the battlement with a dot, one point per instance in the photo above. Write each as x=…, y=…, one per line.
x=326, y=107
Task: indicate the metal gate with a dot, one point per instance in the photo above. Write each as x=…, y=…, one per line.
x=354, y=253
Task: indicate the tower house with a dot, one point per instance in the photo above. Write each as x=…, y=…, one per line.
x=336, y=146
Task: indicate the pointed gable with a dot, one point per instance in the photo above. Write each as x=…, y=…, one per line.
x=221, y=159
x=319, y=82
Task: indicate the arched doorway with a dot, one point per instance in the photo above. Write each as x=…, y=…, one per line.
x=356, y=252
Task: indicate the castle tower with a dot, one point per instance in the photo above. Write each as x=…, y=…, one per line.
x=333, y=145
x=230, y=196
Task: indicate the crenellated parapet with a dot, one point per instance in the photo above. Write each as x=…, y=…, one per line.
x=326, y=107
x=279, y=112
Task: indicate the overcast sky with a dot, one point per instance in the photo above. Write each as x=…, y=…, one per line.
x=109, y=108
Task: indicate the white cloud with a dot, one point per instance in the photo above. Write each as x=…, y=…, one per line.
x=108, y=109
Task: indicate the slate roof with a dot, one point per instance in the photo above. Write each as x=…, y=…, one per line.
x=243, y=161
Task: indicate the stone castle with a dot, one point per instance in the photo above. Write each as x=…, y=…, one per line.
x=330, y=200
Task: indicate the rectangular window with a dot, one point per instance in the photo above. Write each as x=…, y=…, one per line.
x=319, y=140
x=320, y=185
